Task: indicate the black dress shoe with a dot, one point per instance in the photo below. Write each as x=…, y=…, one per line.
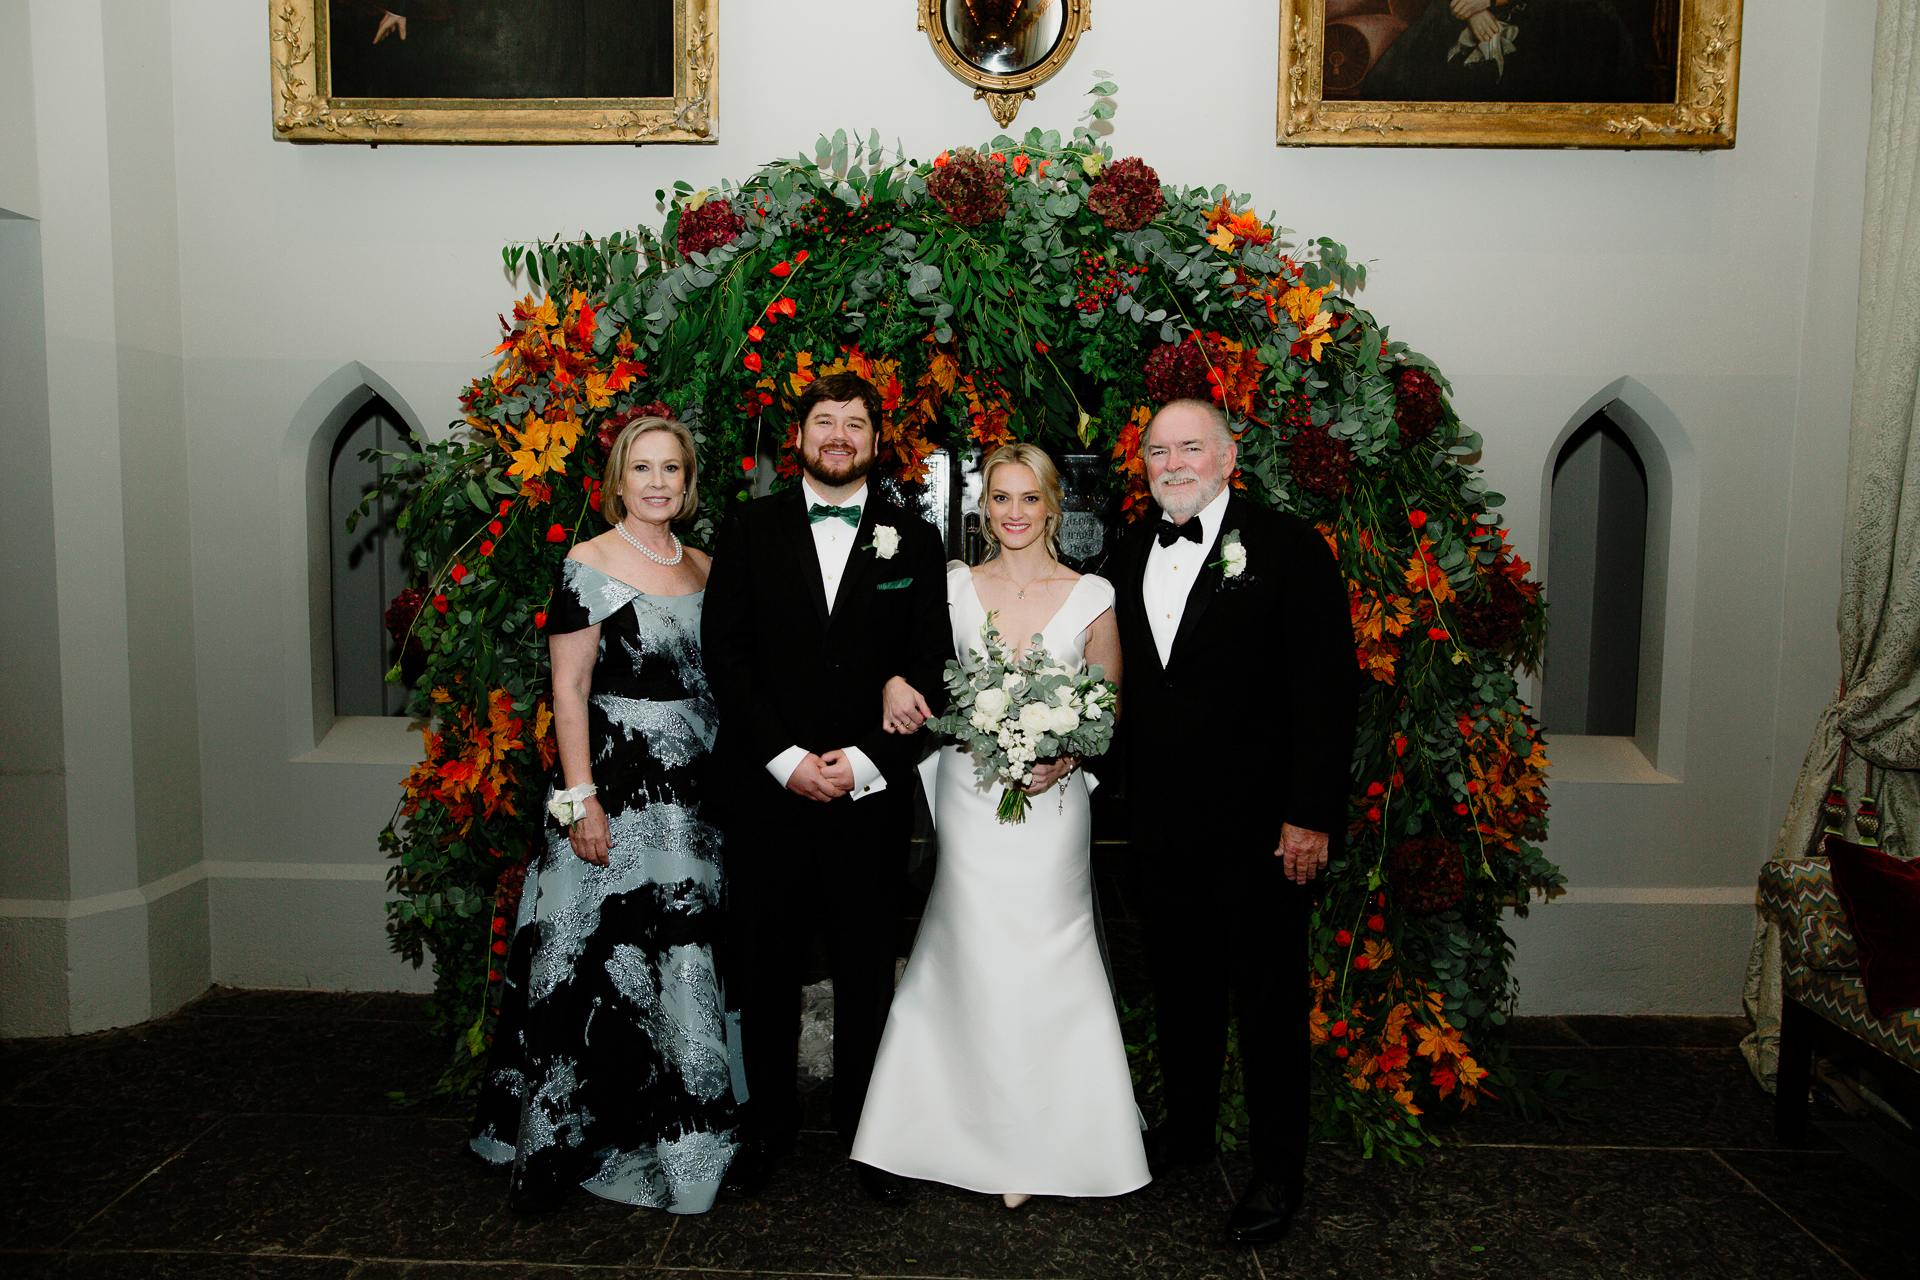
x=1264, y=1214
x=1166, y=1153
x=747, y=1175
x=887, y=1188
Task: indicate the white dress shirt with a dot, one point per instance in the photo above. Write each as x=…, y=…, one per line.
x=832, y=546
x=1172, y=571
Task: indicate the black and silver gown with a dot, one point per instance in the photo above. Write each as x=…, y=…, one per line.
x=615, y=1064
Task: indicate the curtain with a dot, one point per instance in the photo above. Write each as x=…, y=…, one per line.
x=1874, y=710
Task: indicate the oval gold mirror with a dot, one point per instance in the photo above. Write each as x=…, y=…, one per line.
x=1003, y=48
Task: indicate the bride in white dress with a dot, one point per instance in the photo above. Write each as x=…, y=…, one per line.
x=1002, y=1069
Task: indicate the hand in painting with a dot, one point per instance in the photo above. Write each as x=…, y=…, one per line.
x=1465, y=9
x=390, y=23
x=1484, y=25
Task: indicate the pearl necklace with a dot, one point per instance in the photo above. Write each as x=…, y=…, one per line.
x=679, y=552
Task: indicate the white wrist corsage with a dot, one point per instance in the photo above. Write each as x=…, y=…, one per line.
x=568, y=807
x=886, y=541
x=1233, y=556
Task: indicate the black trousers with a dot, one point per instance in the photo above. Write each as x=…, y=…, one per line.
x=798, y=869
x=1224, y=921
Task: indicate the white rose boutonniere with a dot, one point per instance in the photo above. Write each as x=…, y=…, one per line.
x=886, y=541
x=1233, y=555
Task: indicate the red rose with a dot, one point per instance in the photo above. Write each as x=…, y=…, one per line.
x=440, y=603
x=1373, y=815
x=752, y=361
x=1417, y=518
x=1462, y=810
x=1361, y=962
x=1398, y=780
x=494, y=527
x=506, y=505
x=1374, y=789
x=593, y=499
x=486, y=547
x=500, y=948
x=459, y=573
x=1436, y=633
x=1338, y=1028
x=539, y=619
x=756, y=333
x=499, y=924
x=781, y=268
x=1341, y=1052
x=558, y=533
x=1342, y=938
x=493, y=975
x=1377, y=923
x=746, y=464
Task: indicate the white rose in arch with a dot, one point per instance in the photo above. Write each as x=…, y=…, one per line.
x=886, y=541
x=1035, y=717
x=1062, y=720
x=992, y=703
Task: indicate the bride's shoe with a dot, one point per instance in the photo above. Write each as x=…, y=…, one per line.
x=1014, y=1199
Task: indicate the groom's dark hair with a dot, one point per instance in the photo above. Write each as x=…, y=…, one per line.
x=838, y=387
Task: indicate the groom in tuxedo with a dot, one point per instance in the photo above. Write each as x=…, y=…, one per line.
x=818, y=596
x=1239, y=719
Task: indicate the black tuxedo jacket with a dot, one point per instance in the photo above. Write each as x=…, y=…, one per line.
x=784, y=672
x=1250, y=722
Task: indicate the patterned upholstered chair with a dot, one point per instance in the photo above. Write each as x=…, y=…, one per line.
x=1824, y=1006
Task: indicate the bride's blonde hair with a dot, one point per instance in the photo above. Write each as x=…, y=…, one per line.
x=1034, y=459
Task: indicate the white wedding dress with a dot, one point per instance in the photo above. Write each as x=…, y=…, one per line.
x=1002, y=1068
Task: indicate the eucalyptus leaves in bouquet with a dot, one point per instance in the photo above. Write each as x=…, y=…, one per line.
x=1011, y=715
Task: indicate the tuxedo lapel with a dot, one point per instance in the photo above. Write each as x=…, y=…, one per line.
x=797, y=533
x=1205, y=586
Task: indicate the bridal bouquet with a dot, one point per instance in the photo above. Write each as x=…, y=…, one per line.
x=1011, y=715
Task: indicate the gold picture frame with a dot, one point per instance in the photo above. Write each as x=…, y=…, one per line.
x=1004, y=60
x=1326, y=76
x=446, y=92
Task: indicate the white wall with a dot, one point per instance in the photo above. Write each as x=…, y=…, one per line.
x=1723, y=284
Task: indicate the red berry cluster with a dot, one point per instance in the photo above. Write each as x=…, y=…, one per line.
x=1097, y=280
x=837, y=222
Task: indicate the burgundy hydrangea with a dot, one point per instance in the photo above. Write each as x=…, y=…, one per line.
x=610, y=429
x=399, y=620
x=1127, y=195
x=1178, y=371
x=1320, y=464
x=970, y=187
x=705, y=229
x=1425, y=874
x=1494, y=622
x=1416, y=405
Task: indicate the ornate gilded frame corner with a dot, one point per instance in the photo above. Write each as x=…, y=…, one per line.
x=304, y=111
x=1700, y=118
x=1004, y=94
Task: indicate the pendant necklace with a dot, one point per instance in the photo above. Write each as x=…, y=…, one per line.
x=679, y=552
x=1022, y=593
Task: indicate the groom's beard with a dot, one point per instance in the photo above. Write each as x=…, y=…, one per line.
x=816, y=467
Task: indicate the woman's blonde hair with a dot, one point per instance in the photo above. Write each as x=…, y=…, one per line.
x=611, y=505
x=1034, y=459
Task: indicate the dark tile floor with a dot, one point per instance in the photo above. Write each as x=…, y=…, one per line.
x=250, y=1135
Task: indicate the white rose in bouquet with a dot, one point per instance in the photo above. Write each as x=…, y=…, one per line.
x=1035, y=717
x=1062, y=720
x=1013, y=682
x=992, y=703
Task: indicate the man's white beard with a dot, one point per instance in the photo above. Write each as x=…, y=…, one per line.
x=1175, y=503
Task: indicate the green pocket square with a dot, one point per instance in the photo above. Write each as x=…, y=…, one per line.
x=895, y=585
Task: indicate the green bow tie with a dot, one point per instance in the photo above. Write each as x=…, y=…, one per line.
x=820, y=511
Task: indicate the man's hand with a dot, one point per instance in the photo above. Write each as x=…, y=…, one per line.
x=1464, y=9
x=815, y=779
x=390, y=23
x=1048, y=772
x=1484, y=26
x=1303, y=852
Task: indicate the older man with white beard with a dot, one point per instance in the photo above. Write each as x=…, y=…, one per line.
x=1239, y=721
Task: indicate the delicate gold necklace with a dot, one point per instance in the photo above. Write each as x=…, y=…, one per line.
x=1022, y=594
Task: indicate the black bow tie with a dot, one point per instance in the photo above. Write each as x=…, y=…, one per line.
x=1170, y=533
